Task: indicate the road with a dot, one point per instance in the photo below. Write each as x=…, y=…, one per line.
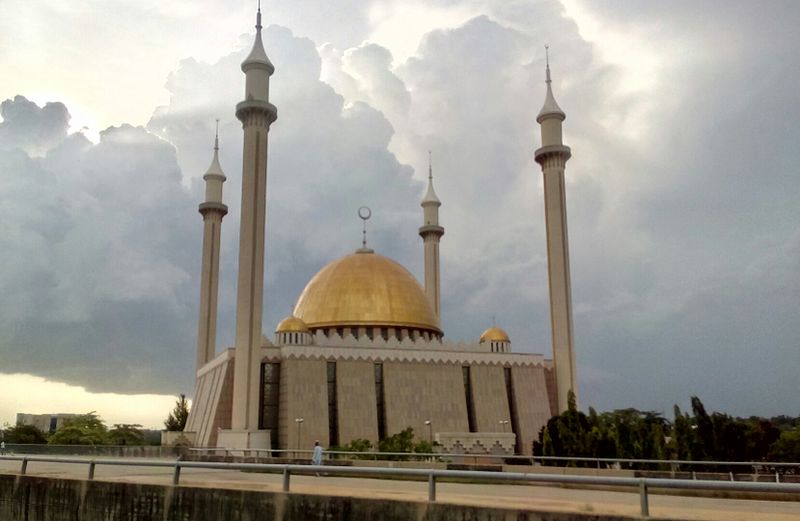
x=533, y=497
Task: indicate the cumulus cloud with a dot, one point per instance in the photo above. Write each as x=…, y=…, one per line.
x=94, y=283
x=327, y=158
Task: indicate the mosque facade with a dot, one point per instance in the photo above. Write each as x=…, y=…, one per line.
x=363, y=354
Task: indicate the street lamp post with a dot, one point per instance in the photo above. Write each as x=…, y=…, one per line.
x=299, y=422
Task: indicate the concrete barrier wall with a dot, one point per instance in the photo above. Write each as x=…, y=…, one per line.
x=120, y=451
x=32, y=498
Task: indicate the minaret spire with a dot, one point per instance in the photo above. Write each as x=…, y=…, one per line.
x=547, y=62
x=553, y=156
x=550, y=107
x=431, y=234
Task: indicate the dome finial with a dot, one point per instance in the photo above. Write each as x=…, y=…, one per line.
x=364, y=213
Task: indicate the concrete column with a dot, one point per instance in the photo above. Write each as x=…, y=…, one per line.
x=256, y=115
x=553, y=156
x=431, y=236
x=209, y=281
x=559, y=277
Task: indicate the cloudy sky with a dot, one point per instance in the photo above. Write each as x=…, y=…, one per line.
x=683, y=191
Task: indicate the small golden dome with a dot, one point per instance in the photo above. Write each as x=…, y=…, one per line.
x=494, y=334
x=365, y=289
x=291, y=325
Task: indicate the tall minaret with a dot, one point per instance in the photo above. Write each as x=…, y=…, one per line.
x=256, y=114
x=431, y=233
x=212, y=211
x=553, y=156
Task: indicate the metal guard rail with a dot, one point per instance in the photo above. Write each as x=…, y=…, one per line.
x=643, y=484
x=378, y=455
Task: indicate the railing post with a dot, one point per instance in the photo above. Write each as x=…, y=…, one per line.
x=286, y=477
x=24, y=467
x=431, y=487
x=643, y=498
x=91, y=470
x=176, y=476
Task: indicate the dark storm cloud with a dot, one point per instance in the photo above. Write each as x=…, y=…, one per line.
x=93, y=282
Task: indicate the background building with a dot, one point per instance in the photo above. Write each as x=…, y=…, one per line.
x=46, y=423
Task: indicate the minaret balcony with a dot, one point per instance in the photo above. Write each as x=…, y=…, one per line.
x=251, y=107
x=542, y=154
x=209, y=207
x=431, y=229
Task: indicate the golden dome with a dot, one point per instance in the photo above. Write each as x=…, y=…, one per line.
x=365, y=289
x=291, y=325
x=494, y=334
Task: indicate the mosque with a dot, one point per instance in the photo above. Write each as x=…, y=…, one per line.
x=363, y=354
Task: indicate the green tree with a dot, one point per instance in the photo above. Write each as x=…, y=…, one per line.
x=423, y=447
x=568, y=434
x=85, y=429
x=24, y=434
x=126, y=434
x=176, y=420
x=761, y=434
x=683, y=436
x=403, y=441
x=704, y=449
x=787, y=447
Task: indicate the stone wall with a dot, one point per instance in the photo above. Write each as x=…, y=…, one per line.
x=357, y=409
x=303, y=394
x=532, y=404
x=490, y=398
x=415, y=392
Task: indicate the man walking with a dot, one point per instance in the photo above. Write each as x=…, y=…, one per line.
x=316, y=459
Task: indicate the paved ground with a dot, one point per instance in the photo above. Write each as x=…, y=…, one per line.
x=521, y=496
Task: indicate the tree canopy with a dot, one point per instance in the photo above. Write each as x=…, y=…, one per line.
x=126, y=434
x=176, y=420
x=24, y=434
x=85, y=429
x=696, y=436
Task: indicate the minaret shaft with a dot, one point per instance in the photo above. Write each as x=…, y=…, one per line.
x=209, y=288
x=432, y=284
x=250, y=285
x=559, y=279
